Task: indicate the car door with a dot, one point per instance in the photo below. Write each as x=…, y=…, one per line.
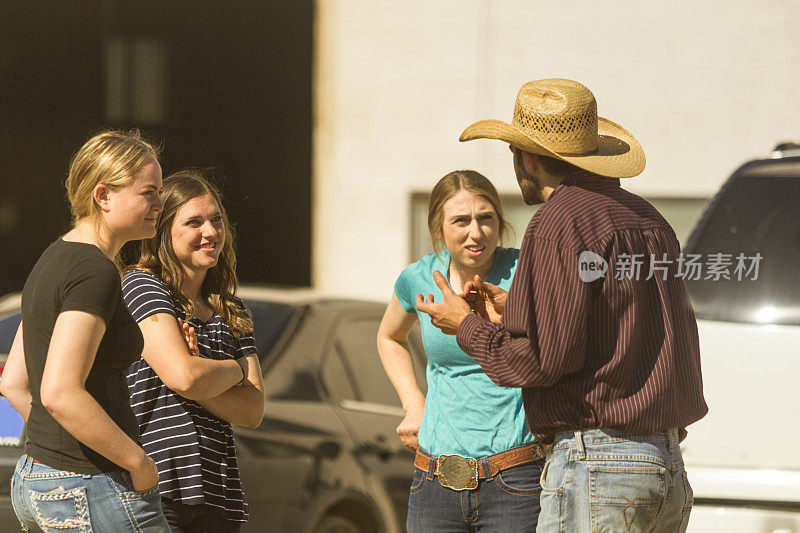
x=11, y=425
x=294, y=462
x=369, y=404
x=277, y=460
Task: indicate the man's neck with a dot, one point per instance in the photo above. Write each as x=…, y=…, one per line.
x=548, y=183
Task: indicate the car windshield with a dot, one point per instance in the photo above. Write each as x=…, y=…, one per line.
x=271, y=319
x=749, y=243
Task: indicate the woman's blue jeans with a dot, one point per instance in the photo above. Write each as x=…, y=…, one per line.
x=508, y=502
x=49, y=500
x=605, y=480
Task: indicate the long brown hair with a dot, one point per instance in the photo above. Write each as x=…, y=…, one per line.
x=449, y=186
x=158, y=257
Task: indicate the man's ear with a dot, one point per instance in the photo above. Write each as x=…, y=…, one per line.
x=100, y=196
x=530, y=162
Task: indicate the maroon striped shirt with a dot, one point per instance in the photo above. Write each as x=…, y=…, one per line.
x=611, y=353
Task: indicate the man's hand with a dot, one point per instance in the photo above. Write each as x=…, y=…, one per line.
x=447, y=314
x=487, y=300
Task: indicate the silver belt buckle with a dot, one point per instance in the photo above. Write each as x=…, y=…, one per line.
x=456, y=472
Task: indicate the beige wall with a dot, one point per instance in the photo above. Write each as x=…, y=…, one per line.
x=703, y=85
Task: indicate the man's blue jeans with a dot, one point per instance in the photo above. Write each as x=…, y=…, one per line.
x=508, y=502
x=46, y=499
x=604, y=480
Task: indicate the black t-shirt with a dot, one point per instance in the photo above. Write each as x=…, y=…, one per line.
x=71, y=276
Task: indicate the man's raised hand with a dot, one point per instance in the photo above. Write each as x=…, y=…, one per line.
x=487, y=300
x=447, y=314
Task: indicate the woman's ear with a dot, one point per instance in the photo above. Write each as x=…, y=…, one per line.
x=100, y=196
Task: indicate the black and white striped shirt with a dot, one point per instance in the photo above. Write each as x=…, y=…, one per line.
x=193, y=449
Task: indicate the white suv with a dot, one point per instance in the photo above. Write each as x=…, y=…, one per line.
x=742, y=458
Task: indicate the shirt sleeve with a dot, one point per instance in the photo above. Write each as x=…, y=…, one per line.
x=92, y=286
x=404, y=288
x=146, y=295
x=543, y=333
x=246, y=344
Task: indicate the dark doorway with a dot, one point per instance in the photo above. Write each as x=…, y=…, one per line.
x=220, y=84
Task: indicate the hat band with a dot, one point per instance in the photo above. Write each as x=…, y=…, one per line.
x=564, y=135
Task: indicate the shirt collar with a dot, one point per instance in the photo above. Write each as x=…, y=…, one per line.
x=586, y=180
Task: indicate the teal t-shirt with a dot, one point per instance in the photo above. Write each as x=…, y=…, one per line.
x=465, y=412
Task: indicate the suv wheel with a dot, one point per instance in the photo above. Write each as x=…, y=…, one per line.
x=337, y=524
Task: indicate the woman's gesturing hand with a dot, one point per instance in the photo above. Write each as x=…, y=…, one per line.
x=409, y=427
x=189, y=336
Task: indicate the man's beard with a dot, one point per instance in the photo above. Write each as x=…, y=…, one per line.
x=528, y=184
x=530, y=190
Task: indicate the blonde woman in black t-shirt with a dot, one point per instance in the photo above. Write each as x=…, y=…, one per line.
x=83, y=468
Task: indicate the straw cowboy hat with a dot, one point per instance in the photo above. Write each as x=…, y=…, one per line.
x=558, y=118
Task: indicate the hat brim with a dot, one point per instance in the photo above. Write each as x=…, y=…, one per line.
x=618, y=153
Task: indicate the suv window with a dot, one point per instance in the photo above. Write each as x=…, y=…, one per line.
x=338, y=378
x=8, y=328
x=752, y=214
x=356, y=342
x=270, y=320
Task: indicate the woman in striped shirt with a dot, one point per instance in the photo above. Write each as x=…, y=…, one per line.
x=182, y=294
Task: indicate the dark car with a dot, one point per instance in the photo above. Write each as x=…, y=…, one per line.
x=326, y=457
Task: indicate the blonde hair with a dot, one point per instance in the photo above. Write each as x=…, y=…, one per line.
x=449, y=186
x=110, y=158
x=158, y=256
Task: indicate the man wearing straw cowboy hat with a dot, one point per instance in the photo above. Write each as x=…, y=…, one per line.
x=597, y=327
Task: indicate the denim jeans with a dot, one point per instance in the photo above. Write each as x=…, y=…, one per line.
x=49, y=500
x=508, y=502
x=602, y=480
x=183, y=518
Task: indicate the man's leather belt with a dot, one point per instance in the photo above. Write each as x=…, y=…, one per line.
x=462, y=473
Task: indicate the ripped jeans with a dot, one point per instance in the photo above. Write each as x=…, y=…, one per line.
x=604, y=480
x=49, y=500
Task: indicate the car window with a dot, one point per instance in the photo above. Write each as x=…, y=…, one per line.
x=8, y=328
x=338, y=378
x=11, y=424
x=270, y=320
x=754, y=222
x=290, y=375
x=356, y=341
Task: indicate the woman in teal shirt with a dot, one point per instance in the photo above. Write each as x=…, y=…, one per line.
x=477, y=465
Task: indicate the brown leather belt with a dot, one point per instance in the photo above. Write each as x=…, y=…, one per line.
x=497, y=462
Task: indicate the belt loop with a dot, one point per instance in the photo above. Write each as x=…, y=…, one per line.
x=27, y=466
x=487, y=469
x=672, y=438
x=431, y=467
x=579, y=444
